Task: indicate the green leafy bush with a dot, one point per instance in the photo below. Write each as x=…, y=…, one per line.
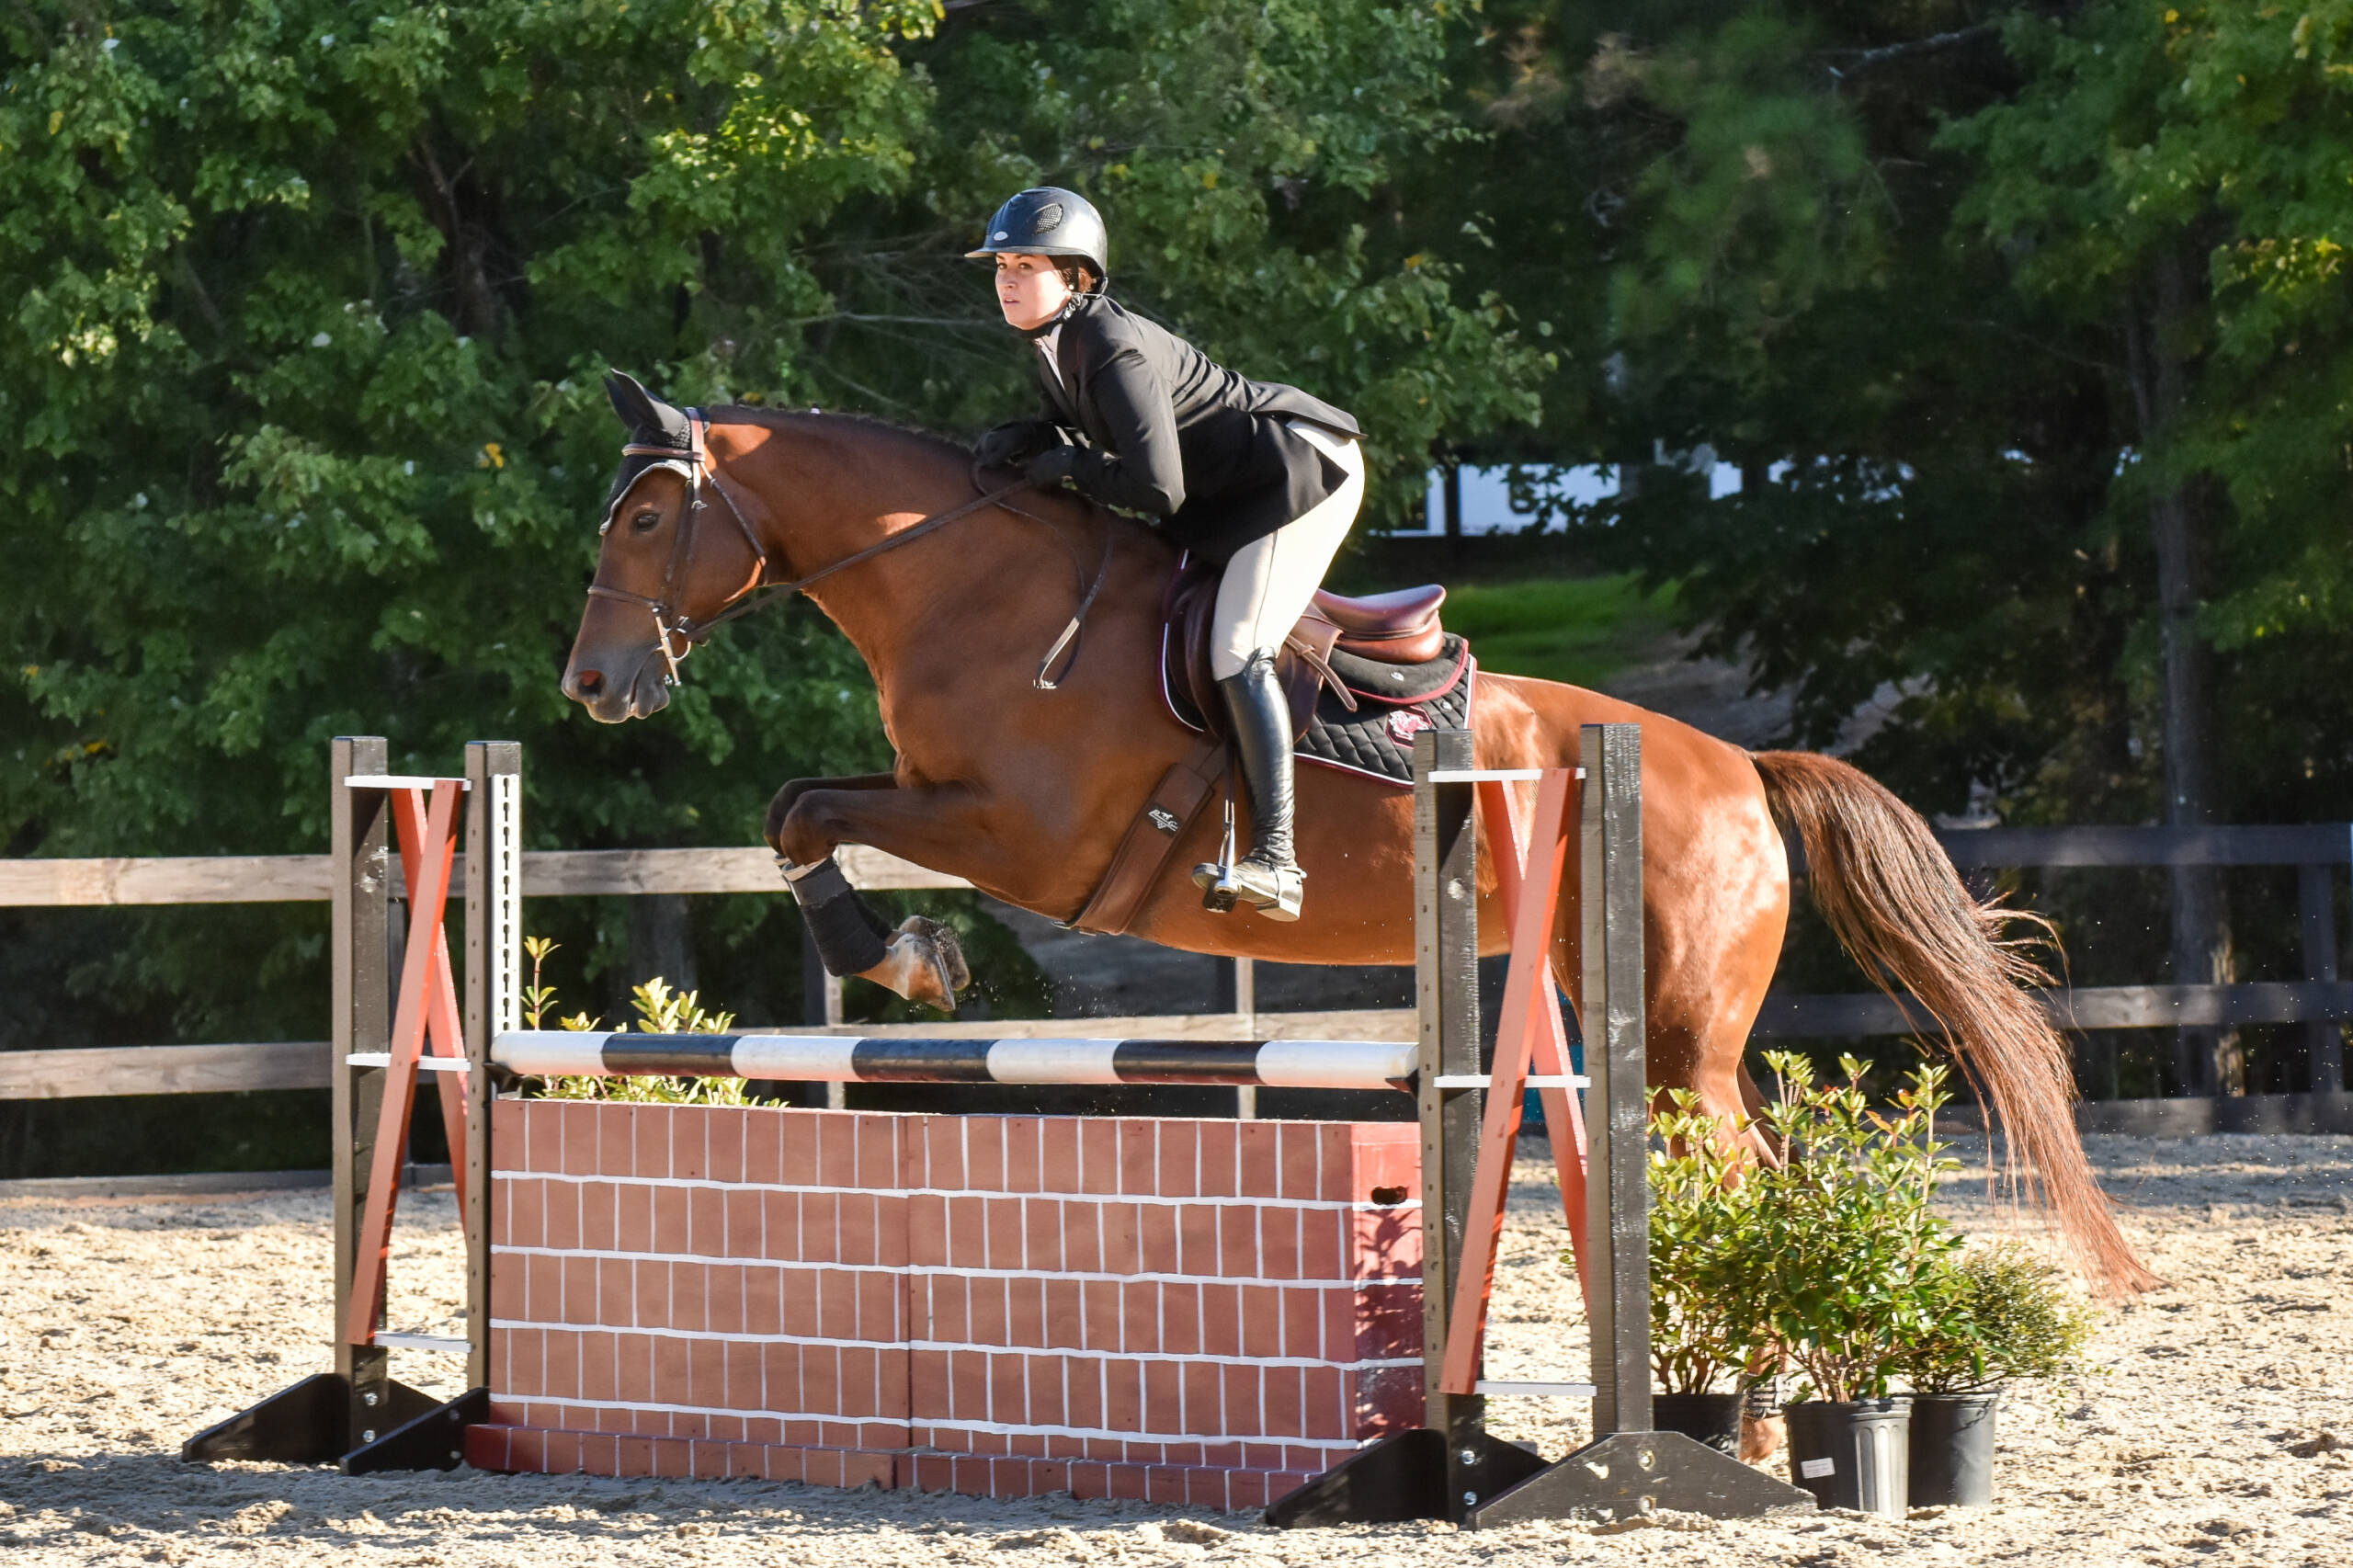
x=660, y=1010
x=2004, y=1316
x=1844, y=1251
x=1706, y=1312
x=1834, y=1260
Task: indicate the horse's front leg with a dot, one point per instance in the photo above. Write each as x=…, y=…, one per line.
x=921, y=960
x=786, y=798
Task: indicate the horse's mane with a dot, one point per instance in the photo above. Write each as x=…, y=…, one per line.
x=777, y=418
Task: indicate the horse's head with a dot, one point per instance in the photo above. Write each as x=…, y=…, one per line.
x=666, y=566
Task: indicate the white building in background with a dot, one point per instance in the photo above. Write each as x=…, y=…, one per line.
x=1486, y=493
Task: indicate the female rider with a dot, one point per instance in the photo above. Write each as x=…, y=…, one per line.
x=1256, y=476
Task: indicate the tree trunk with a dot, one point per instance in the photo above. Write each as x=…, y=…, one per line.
x=2207, y=1060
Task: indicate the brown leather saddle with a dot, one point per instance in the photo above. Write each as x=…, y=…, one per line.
x=1399, y=627
x=1395, y=629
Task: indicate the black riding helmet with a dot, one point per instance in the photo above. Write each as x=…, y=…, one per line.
x=1048, y=220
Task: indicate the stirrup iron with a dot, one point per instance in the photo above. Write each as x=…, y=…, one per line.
x=1215, y=879
x=1250, y=882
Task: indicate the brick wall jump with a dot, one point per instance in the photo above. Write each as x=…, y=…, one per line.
x=1191, y=1311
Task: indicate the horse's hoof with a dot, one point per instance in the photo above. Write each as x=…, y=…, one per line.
x=923, y=964
x=943, y=972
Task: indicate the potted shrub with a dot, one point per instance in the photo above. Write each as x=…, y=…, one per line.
x=1703, y=1305
x=2003, y=1317
x=1847, y=1257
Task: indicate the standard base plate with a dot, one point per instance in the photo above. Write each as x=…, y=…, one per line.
x=311, y=1424
x=1404, y=1476
x=1640, y=1472
x=433, y=1440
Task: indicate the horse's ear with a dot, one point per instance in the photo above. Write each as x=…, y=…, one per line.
x=647, y=416
x=632, y=401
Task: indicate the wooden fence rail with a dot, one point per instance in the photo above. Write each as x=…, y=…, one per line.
x=2320, y=1001
x=547, y=873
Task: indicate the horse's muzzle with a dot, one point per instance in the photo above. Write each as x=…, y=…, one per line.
x=611, y=701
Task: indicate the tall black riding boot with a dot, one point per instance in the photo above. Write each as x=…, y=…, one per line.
x=1258, y=721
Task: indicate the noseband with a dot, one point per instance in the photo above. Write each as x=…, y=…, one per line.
x=698, y=465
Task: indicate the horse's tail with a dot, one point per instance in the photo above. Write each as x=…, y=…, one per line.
x=1890, y=893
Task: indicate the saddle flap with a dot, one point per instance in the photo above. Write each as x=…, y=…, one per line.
x=1192, y=604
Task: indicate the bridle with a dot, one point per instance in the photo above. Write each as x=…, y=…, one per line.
x=695, y=464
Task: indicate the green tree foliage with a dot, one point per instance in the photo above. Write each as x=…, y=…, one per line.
x=301, y=431
x=2219, y=136
x=1980, y=303
x=1248, y=158
x=1893, y=262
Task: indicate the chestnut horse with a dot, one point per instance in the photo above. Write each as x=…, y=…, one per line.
x=1025, y=791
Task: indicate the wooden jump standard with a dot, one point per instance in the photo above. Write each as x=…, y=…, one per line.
x=1447, y=1469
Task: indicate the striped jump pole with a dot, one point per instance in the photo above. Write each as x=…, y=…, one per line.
x=1266, y=1063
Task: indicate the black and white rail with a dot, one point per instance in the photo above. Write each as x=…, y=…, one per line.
x=1268, y=1063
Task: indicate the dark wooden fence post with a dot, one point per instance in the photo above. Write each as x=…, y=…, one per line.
x=2316, y=922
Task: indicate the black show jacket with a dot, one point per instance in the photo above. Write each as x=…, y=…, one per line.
x=1168, y=431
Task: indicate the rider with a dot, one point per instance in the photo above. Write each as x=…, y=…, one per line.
x=1258, y=477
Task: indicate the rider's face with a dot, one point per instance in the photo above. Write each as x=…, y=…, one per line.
x=1029, y=290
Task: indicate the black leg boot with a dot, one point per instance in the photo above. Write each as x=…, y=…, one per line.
x=1258, y=721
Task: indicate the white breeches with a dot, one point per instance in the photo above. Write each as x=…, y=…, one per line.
x=1270, y=580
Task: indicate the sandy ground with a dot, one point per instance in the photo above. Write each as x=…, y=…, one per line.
x=2218, y=1432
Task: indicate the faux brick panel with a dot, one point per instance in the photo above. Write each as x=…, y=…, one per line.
x=1219, y=1164
x=1171, y=1309
x=1386, y=1243
x=577, y=1128
x=560, y=1208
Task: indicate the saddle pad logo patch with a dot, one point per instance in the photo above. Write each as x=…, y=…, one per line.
x=1406, y=722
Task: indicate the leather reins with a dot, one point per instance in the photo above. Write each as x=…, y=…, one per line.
x=698, y=464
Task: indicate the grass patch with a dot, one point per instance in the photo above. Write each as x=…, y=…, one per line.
x=1577, y=629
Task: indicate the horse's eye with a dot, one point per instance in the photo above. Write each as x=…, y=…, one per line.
x=646, y=521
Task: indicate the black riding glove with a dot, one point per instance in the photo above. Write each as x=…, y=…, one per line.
x=1051, y=467
x=1013, y=443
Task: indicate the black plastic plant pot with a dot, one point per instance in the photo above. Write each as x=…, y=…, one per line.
x=1853, y=1455
x=1710, y=1418
x=1953, y=1449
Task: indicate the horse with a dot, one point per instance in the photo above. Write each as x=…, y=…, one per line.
x=1024, y=787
